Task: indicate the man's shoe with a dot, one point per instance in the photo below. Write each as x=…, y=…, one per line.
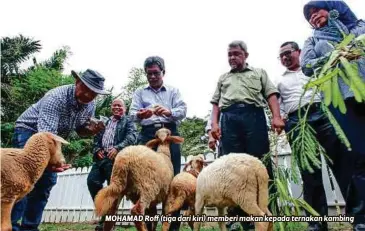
x=231, y=226
x=246, y=226
x=359, y=227
x=99, y=228
x=318, y=227
x=314, y=227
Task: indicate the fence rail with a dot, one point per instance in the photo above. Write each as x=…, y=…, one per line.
x=70, y=200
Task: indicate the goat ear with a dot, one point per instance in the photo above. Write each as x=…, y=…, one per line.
x=187, y=165
x=57, y=138
x=201, y=156
x=176, y=139
x=152, y=143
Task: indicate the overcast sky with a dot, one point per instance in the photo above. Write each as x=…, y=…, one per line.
x=192, y=36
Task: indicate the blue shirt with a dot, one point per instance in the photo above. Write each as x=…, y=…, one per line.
x=167, y=96
x=57, y=112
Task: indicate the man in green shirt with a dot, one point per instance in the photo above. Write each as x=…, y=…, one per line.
x=240, y=96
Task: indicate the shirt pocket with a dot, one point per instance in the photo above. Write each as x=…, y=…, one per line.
x=253, y=83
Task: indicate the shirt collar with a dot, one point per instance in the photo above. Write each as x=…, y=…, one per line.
x=287, y=71
x=162, y=88
x=112, y=118
x=247, y=68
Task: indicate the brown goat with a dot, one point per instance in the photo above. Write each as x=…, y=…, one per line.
x=182, y=190
x=143, y=176
x=21, y=169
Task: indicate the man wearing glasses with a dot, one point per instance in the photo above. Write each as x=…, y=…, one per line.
x=290, y=86
x=158, y=105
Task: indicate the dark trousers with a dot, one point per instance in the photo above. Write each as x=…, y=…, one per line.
x=30, y=209
x=244, y=130
x=313, y=190
x=100, y=172
x=148, y=133
x=353, y=124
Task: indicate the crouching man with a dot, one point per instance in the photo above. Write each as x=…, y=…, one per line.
x=60, y=111
x=120, y=132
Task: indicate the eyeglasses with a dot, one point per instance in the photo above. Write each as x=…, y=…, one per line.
x=155, y=73
x=286, y=53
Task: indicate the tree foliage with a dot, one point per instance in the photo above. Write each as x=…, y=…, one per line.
x=192, y=129
x=136, y=79
x=14, y=51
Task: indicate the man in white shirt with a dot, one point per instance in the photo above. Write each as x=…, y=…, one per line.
x=290, y=86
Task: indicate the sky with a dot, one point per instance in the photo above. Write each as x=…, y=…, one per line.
x=192, y=36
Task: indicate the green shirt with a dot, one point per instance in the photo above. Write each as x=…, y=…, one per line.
x=251, y=86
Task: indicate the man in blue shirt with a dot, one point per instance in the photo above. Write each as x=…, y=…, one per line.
x=158, y=105
x=60, y=111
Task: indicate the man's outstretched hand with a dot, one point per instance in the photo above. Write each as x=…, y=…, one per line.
x=62, y=168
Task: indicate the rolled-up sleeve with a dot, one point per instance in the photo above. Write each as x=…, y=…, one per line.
x=217, y=93
x=179, y=108
x=49, y=115
x=268, y=87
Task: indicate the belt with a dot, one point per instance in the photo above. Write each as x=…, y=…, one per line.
x=159, y=125
x=313, y=107
x=238, y=105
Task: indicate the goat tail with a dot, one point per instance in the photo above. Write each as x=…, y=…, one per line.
x=107, y=200
x=263, y=188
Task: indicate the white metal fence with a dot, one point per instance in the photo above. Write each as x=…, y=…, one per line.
x=70, y=200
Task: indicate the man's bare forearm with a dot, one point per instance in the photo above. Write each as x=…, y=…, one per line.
x=274, y=105
x=215, y=113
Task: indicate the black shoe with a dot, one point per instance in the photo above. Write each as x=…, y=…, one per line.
x=231, y=226
x=359, y=227
x=317, y=227
x=99, y=227
x=246, y=226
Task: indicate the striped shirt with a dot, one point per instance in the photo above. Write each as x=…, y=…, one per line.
x=167, y=96
x=108, y=137
x=57, y=112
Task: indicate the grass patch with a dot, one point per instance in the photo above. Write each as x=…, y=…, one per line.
x=91, y=227
x=292, y=226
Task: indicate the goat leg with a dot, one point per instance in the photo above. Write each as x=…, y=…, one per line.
x=6, y=208
x=139, y=209
x=152, y=211
x=190, y=212
x=254, y=210
x=109, y=225
x=173, y=204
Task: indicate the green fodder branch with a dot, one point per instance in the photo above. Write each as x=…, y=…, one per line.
x=305, y=146
x=282, y=203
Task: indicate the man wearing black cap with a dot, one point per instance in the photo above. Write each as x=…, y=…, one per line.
x=60, y=111
x=158, y=105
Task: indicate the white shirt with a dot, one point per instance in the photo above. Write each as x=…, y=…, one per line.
x=290, y=86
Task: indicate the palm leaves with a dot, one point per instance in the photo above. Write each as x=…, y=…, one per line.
x=57, y=60
x=15, y=51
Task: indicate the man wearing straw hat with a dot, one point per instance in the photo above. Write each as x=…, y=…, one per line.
x=60, y=111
